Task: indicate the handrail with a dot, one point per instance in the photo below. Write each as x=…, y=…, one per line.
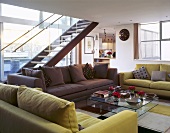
x=38, y=33
x=26, y=32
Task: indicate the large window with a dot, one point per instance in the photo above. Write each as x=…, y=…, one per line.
x=155, y=41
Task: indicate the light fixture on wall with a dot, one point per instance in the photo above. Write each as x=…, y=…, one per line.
x=104, y=39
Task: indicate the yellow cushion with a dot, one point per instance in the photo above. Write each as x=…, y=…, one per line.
x=8, y=93
x=165, y=67
x=149, y=68
x=161, y=85
x=86, y=120
x=138, y=82
x=49, y=107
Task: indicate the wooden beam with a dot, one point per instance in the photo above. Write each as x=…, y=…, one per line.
x=136, y=42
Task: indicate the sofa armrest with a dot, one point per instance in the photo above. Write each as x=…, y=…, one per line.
x=123, y=76
x=112, y=75
x=17, y=79
x=123, y=122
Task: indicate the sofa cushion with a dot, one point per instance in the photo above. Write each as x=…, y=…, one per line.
x=149, y=68
x=95, y=83
x=66, y=74
x=138, y=82
x=49, y=107
x=141, y=73
x=55, y=74
x=158, y=76
x=8, y=93
x=34, y=73
x=88, y=71
x=46, y=77
x=165, y=67
x=76, y=73
x=101, y=70
x=65, y=89
x=160, y=85
x=86, y=120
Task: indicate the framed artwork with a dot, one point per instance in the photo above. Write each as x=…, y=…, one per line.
x=88, y=44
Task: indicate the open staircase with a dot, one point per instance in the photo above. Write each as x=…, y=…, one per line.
x=60, y=47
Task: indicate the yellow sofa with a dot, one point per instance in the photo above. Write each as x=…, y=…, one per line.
x=26, y=110
x=161, y=88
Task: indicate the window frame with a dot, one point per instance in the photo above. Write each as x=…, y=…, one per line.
x=160, y=40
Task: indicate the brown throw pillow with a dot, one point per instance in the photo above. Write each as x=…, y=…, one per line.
x=46, y=77
x=76, y=74
x=55, y=74
x=88, y=71
x=101, y=70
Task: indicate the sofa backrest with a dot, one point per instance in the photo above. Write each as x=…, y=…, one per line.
x=66, y=74
x=149, y=68
x=165, y=67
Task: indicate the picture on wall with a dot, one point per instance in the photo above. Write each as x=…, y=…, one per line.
x=88, y=44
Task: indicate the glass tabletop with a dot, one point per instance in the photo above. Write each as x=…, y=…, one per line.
x=142, y=107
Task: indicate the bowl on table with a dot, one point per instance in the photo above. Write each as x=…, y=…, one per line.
x=133, y=101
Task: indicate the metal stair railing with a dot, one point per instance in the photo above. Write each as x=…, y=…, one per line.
x=26, y=33
x=37, y=33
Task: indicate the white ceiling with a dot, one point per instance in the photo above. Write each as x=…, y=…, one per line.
x=107, y=12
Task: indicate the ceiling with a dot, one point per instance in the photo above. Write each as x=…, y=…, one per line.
x=107, y=12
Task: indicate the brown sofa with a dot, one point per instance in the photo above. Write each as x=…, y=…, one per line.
x=69, y=90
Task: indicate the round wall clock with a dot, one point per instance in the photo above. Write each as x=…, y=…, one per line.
x=124, y=34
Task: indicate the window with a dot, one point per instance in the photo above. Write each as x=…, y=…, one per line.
x=155, y=41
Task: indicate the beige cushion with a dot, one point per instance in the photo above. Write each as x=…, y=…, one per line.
x=55, y=74
x=160, y=85
x=76, y=73
x=138, y=82
x=165, y=67
x=48, y=107
x=8, y=93
x=158, y=76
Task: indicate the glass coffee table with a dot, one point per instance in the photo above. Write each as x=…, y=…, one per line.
x=115, y=107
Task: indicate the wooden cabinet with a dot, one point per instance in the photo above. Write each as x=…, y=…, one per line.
x=102, y=61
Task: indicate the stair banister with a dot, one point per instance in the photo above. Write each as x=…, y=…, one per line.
x=26, y=32
x=37, y=33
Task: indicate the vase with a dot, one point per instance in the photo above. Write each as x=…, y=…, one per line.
x=141, y=98
x=109, y=56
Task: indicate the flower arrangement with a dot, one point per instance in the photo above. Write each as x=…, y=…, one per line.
x=111, y=88
x=141, y=93
x=109, y=53
x=132, y=88
x=116, y=94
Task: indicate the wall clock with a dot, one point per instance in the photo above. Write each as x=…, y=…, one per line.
x=124, y=34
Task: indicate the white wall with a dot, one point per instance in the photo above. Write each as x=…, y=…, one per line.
x=124, y=52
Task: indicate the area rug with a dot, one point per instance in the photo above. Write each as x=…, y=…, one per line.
x=161, y=109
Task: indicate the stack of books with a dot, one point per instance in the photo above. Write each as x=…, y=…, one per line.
x=100, y=95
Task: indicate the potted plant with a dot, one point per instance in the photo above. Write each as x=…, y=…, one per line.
x=116, y=96
x=141, y=94
x=109, y=54
x=132, y=90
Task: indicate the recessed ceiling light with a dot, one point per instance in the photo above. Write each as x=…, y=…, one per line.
x=119, y=22
x=130, y=20
x=166, y=16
